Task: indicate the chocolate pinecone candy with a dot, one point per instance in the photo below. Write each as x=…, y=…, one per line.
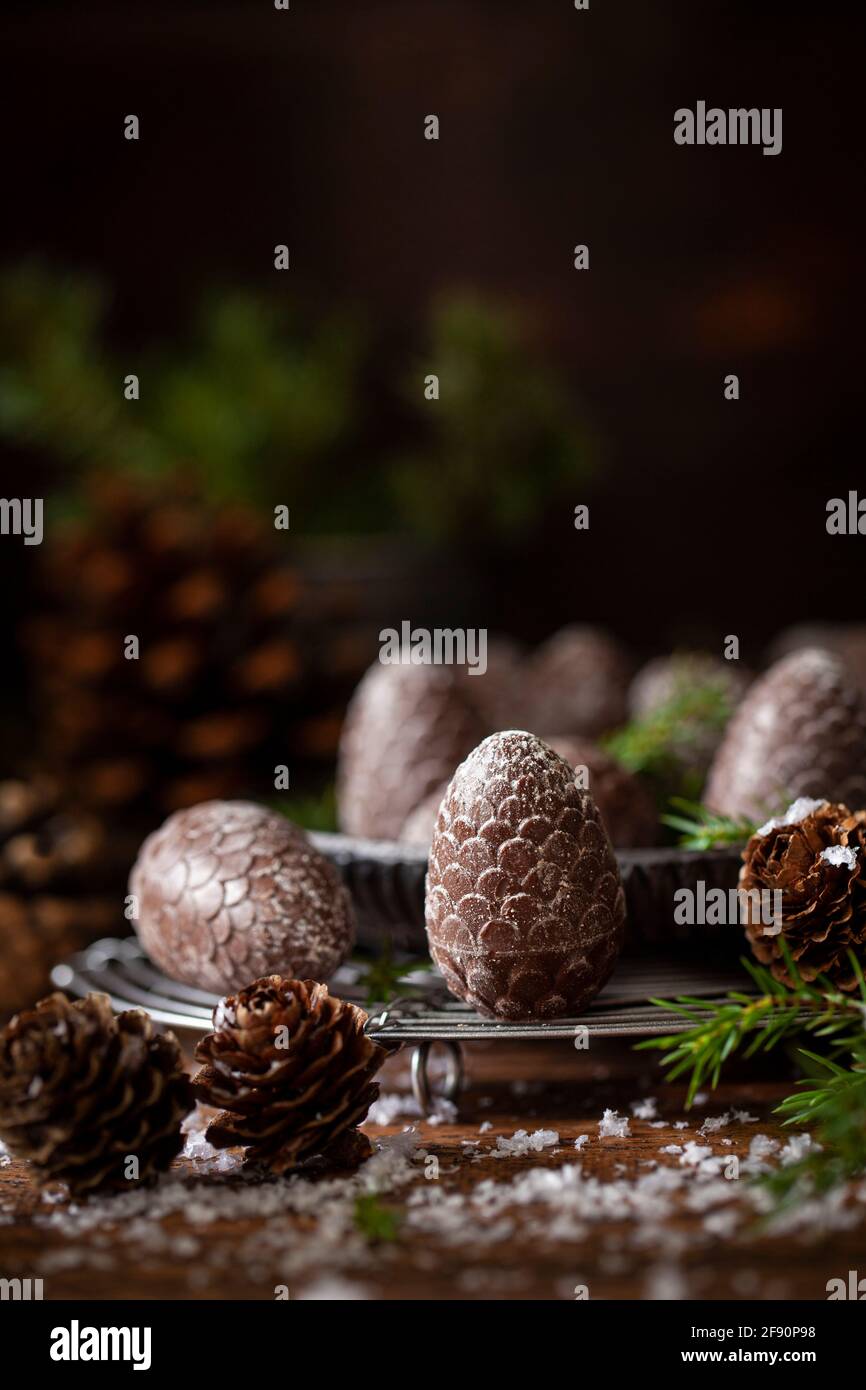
x=696, y=693
x=82, y=1091
x=407, y=727
x=525, y=908
x=845, y=640
x=577, y=683
x=627, y=807
x=800, y=731
x=815, y=858
x=293, y=1069
x=229, y=890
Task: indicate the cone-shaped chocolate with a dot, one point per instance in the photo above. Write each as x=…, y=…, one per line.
x=524, y=907
x=578, y=683
x=800, y=731
x=626, y=806
x=406, y=730
x=228, y=890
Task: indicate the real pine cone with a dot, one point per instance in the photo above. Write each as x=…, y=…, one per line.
x=83, y=1090
x=407, y=728
x=220, y=692
x=61, y=884
x=815, y=856
x=292, y=1068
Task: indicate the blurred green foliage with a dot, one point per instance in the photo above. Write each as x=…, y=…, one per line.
x=252, y=403
x=260, y=404
x=504, y=441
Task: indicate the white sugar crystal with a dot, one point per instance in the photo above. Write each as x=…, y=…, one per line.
x=671, y=1149
x=581, y=1140
x=523, y=1143
x=485, y=1127
x=760, y=1149
x=645, y=1109
x=613, y=1126
x=695, y=1153
x=712, y=1124
x=387, y=1107
x=743, y=1117
x=721, y=1223
x=840, y=856
x=681, y=1124
x=797, y=1147
x=797, y=811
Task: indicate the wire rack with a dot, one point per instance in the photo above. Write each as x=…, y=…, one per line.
x=424, y=1018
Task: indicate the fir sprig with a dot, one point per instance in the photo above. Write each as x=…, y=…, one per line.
x=650, y=742
x=385, y=977
x=831, y=1100
x=375, y=1221
x=720, y=1027
x=701, y=828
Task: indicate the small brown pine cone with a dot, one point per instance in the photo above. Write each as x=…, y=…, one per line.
x=815, y=856
x=83, y=1090
x=292, y=1068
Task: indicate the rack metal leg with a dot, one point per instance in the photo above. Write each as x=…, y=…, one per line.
x=422, y=1088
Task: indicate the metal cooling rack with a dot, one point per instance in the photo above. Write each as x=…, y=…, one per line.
x=425, y=1018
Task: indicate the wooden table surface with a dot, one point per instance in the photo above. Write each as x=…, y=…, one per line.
x=531, y=1087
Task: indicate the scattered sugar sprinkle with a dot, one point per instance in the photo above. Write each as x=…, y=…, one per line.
x=645, y=1109
x=613, y=1126
x=522, y=1143
x=840, y=856
x=798, y=810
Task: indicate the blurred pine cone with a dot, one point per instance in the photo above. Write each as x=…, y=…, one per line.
x=82, y=1091
x=218, y=696
x=815, y=856
x=293, y=1068
x=61, y=885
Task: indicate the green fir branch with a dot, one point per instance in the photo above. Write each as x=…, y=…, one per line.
x=655, y=743
x=376, y=1222
x=385, y=978
x=831, y=1100
x=755, y=1023
x=701, y=828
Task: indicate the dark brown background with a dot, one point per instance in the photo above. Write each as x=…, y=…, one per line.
x=306, y=127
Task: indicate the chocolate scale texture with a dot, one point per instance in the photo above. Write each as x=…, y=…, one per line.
x=525, y=908
x=229, y=891
x=406, y=729
x=627, y=807
x=800, y=731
